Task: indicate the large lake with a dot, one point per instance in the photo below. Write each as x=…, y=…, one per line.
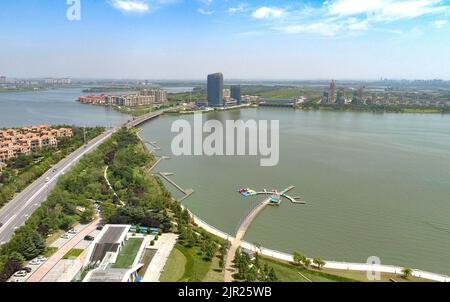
x=54, y=107
x=376, y=185
x=58, y=107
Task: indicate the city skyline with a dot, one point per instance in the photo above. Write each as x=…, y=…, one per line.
x=176, y=39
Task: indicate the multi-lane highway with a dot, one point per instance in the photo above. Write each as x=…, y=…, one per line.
x=14, y=214
x=17, y=211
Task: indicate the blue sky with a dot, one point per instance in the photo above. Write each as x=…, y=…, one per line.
x=254, y=39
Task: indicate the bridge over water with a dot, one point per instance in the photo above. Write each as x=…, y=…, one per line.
x=240, y=233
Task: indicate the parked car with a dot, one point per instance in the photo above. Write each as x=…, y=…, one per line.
x=35, y=262
x=41, y=258
x=72, y=231
x=1, y=224
x=27, y=269
x=20, y=274
x=89, y=238
x=99, y=227
x=64, y=236
x=47, y=179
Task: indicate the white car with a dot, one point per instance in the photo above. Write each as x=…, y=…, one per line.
x=47, y=179
x=20, y=274
x=41, y=258
x=35, y=262
x=72, y=231
x=64, y=236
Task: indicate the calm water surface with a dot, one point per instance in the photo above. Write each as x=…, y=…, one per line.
x=376, y=185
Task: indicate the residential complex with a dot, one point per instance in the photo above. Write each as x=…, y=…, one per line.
x=143, y=98
x=14, y=142
x=52, y=81
x=363, y=95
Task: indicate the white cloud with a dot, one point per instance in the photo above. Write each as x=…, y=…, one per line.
x=237, y=9
x=440, y=23
x=386, y=10
x=321, y=28
x=205, y=12
x=267, y=12
x=131, y=6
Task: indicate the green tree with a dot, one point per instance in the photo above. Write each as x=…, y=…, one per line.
x=406, y=272
x=298, y=257
x=307, y=262
x=319, y=262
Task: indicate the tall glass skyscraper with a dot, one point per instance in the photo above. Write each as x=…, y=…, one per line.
x=215, y=90
x=236, y=93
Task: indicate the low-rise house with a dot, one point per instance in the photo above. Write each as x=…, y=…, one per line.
x=14, y=142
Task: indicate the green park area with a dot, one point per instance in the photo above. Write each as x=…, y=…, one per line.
x=189, y=265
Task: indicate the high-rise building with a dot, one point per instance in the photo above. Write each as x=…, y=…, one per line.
x=340, y=99
x=325, y=98
x=358, y=96
x=215, y=90
x=236, y=93
x=332, y=93
x=2, y=80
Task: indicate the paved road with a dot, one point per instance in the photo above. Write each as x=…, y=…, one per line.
x=14, y=214
x=164, y=247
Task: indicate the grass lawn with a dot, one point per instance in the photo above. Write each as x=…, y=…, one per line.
x=174, y=268
x=50, y=251
x=215, y=273
x=53, y=237
x=362, y=276
x=128, y=253
x=73, y=253
x=195, y=268
x=287, y=272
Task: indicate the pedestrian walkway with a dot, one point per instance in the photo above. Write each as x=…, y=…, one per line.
x=164, y=247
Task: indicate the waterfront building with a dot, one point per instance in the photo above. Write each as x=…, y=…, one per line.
x=277, y=102
x=143, y=98
x=332, y=93
x=325, y=98
x=226, y=93
x=64, y=81
x=358, y=97
x=2, y=80
x=250, y=99
x=340, y=98
x=236, y=93
x=215, y=90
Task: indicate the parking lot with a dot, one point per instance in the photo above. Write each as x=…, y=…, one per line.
x=33, y=265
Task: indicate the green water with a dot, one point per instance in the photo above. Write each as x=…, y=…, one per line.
x=376, y=185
